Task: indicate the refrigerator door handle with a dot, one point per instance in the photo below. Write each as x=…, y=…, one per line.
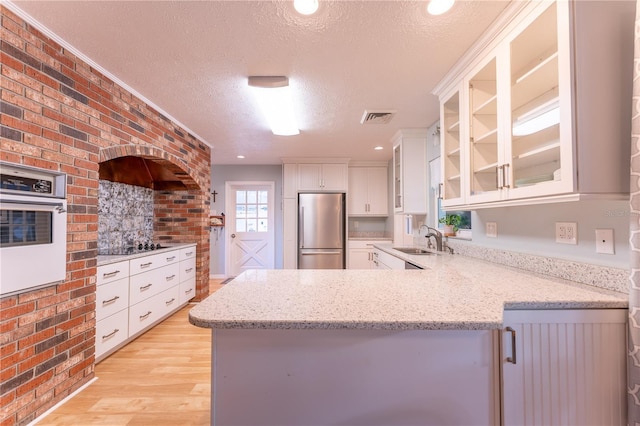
x=319, y=252
x=301, y=229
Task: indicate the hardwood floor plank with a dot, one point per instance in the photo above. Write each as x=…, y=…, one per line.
x=161, y=378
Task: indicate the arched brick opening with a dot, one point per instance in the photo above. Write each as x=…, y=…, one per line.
x=180, y=215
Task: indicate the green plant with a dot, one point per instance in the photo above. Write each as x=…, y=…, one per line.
x=452, y=220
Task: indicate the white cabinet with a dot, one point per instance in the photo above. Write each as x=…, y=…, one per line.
x=322, y=177
x=533, y=115
x=112, y=303
x=133, y=295
x=410, y=182
x=361, y=254
x=187, y=270
x=384, y=260
x=564, y=367
x=367, y=194
x=290, y=236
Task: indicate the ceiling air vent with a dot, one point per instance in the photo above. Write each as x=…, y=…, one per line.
x=377, y=117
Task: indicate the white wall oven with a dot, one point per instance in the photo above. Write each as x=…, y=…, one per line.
x=33, y=228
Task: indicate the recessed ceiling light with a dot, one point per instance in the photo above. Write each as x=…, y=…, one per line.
x=306, y=7
x=378, y=148
x=240, y=156
x=438, y=7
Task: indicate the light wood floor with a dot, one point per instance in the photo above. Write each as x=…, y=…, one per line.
x=161, y=378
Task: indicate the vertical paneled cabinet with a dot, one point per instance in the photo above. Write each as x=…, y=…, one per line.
x=564, y=367
x=367, y=194
x=410, y=183
x=134, y=295
x=535, y=112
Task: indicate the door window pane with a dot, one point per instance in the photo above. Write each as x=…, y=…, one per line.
x=252, y=211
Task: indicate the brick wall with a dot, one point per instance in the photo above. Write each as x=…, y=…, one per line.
x=59, y=113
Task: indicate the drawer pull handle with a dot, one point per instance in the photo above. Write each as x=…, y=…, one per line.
x=144, y=265
x=113, y=333
x=142, y=317
x=168, y=302
x=146, y=287
x=188, y=291
x=169, y=259
x=188, y=270
x=512, y=358
x=110, y=274
x=106, y=302
x=189, y=253
x=170, y=277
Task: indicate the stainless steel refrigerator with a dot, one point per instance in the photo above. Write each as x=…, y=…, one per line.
x=321, y=226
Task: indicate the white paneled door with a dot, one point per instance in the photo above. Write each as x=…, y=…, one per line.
x=250, y=226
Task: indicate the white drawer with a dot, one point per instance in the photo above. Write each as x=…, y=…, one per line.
x=153, y=261
x=188, y=253
x=112, y=272
x=111, y=331
x=187, y=269
x=147, y=312
x=143, y=286
x=187, y=290
x=111, y=298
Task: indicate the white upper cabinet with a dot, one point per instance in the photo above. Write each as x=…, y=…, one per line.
x=541, y=111
x=410, y=183
x=368, y=191
x=322, y=177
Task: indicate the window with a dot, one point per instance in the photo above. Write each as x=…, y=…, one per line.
x=252, y=211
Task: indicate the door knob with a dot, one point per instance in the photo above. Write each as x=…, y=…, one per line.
x=233, y=235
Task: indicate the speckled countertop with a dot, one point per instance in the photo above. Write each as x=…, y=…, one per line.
x=106, y=259
x=453, y=293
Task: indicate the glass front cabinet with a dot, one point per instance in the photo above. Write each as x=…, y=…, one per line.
x=542, y=100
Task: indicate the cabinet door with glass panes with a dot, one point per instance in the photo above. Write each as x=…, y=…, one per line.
x=484, y=145
x=451, y=135
x=539, y=155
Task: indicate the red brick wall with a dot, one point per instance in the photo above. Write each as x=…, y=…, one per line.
x=59, y=113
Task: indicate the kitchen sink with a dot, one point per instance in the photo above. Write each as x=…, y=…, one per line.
x=413, y=250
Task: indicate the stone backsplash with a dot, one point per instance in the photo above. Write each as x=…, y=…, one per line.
x=125, y=216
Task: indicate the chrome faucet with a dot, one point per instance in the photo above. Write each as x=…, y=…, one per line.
x=432, y=232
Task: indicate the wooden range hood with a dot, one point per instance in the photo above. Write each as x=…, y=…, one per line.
x=140, y=171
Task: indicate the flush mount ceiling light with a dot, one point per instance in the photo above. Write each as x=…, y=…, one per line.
x=378, y=148
x=273, y=95
x=241, y=157
x=306, y=7
x=438, y=7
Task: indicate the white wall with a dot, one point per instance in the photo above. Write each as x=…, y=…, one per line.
x=531, y=229
x=221, y=174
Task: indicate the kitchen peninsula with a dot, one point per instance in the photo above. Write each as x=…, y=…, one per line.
x=404, y=347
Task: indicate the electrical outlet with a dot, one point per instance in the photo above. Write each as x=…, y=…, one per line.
x=567, y=232
x=604, y=241
x=491, y=229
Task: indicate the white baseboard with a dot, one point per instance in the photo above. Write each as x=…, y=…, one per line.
x=55, y=407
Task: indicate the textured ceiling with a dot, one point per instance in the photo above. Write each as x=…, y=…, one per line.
x=192, y=60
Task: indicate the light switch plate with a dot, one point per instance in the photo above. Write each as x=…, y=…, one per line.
x=604, y=241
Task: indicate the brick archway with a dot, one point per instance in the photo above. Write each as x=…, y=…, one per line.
x=180, y=215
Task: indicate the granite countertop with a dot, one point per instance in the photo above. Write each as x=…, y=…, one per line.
x=106, y=259
x=454, y=292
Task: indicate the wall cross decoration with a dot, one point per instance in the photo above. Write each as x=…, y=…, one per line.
x=214, y=193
